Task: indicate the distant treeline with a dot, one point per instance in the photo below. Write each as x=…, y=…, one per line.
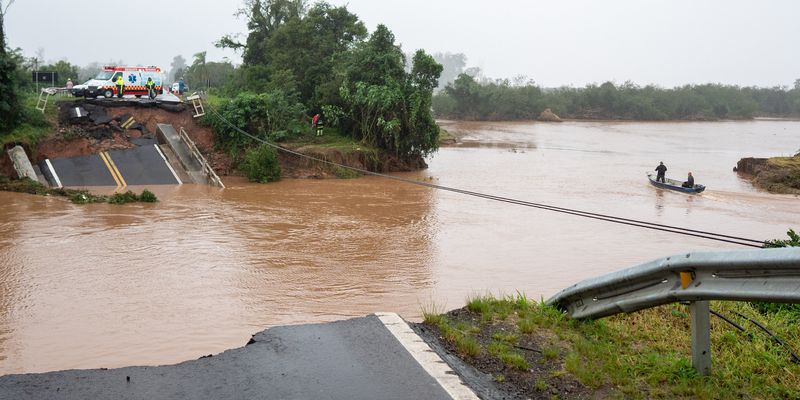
x=468, y=99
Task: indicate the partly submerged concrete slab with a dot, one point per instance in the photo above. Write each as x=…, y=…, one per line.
x=169, y=136
x=361, y=358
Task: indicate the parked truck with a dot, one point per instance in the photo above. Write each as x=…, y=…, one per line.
x=104, y=84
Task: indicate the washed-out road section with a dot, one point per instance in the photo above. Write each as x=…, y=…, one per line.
x=373, y=357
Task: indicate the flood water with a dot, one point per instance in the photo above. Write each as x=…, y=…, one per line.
x=199, y=272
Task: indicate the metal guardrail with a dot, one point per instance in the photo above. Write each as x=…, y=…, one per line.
x=771, y=275
x=212, y=176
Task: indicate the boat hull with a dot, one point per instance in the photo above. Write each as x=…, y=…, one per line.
x=672, y=184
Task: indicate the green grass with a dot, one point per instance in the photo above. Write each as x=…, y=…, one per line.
x=35, y=126
x=510, y=338
x=541, y=385
x=446, y=137
x=781, y=176
x=76, y=196
x=468, y=346
x=646, y=354
x=785, y=162
x=345, y=173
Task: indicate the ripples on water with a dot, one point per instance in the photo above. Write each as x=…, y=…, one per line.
x=107, y=286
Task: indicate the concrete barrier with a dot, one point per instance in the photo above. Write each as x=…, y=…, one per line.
x=21, y=163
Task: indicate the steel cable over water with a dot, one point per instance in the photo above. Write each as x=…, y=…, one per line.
x=602, y=217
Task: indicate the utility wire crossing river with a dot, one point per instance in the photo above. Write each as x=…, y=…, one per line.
x=199, y=272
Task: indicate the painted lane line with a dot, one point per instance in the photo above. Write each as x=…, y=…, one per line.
x=53, y=171
x=168, y=166
x=121, y=179
x=426, y=357
x=108, y=166
x=128, y=123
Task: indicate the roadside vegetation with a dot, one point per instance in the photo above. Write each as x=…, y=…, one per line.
x=30, y=186
x=536, y=350
x=300, y=61
x=261, y=164
x=469, y=98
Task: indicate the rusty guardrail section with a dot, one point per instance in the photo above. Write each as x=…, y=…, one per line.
x=771, y=275
x=212, y=176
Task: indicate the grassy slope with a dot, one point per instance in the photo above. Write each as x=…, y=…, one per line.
x=39, y=125
x=642, y=355
x=782, y=175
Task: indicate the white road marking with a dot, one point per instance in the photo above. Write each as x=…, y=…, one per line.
x=53, y=171
x=426, y=357
x=168, y=166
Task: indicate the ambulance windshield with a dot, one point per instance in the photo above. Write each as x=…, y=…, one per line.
x=104, y=75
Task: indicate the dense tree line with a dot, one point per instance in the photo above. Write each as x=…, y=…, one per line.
x=9, y=87
x=468, y=98
x=321, y=59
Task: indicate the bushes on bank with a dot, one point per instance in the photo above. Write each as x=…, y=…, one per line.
x=30, y=186
x=261, y=164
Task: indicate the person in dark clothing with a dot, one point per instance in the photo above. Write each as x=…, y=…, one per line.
x=661, y=169
x=689, y=181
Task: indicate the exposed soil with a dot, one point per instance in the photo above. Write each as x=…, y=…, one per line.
x=549, y=116
x=776, y=175
x=101, y=126
x=293, y=166
x=515, y=384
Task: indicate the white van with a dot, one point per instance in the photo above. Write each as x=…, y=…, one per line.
x=135, y=78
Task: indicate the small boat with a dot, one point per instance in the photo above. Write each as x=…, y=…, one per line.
x=672, y=184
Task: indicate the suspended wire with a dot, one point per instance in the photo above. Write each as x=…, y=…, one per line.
x=795, y=357
x=602, y=217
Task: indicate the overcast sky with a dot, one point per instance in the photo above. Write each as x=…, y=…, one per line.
x=666, y=42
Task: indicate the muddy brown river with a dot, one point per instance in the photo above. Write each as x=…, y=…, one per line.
x=109, y=286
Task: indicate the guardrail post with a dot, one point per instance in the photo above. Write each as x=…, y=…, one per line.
x=701, y=337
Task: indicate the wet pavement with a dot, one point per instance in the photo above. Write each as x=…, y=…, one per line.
x=143, y=165
x=354, y=359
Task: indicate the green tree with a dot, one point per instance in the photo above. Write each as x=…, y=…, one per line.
x=65, y=71
x=452, y=66
x=9, y=84
x=385, y=106
x=287, y=36
x=197, y=74
x=213, y=74
x=261, y=164
x=270, y=116
x=793, y=241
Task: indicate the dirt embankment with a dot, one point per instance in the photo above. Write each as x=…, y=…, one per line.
x=90, y=126
x=776, y=174
x=294, y=166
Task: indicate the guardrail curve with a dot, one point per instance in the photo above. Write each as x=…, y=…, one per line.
x=771, y=275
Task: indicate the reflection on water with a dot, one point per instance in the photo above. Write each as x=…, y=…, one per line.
x=199, y=272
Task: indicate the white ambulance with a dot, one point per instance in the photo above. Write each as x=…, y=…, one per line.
x=135, y=78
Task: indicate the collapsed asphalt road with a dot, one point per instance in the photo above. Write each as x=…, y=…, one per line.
x=373, y=357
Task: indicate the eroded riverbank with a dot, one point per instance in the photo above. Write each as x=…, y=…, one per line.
x=199, y=272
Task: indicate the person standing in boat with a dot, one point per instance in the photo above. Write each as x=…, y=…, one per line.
x=689, y=181
x=661, y=169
